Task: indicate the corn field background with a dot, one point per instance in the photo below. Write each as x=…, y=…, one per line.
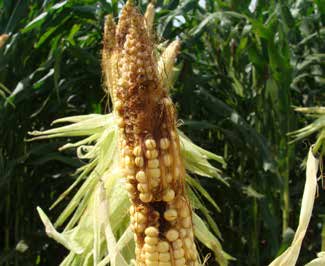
x=243, y=68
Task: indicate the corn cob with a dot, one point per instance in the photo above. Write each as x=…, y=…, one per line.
x=161, y=215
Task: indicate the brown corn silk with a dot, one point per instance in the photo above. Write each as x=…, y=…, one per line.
x=149, y=146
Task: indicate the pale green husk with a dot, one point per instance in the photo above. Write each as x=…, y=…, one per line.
x=96, y=221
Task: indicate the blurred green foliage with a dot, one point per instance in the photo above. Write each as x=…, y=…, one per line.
x=239, y=74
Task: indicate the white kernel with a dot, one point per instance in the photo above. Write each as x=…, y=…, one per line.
x=172, y=235
x=150, y=144
x=164, y=143
x=141, y=177
x=154, y=163
x=170, y=215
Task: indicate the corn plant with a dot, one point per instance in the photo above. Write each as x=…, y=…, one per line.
x=137, y=162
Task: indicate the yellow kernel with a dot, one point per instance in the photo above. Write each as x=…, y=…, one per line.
x=139, y=227
x=151, y=240
x=143, y=187
x=170, y=215
x=164, y=143
x=145, y=197
x=188, y=243
x=177, y=244
x=150, y=144
x=178, y=253
x=168, y=177
x=165, y=256
x=154, y=163
x=167, y=160
x=184, y=212
x=153, y=256
x=165, y=263
x=128, y=161
x=151, y=263
x=154, y=173
x=141, y=177
x=187, y=222
x=149, y=248
x=172, y=235
x=118, y=105
x=152, y=231
x=129, y=187
x=137, y=151
x=129, y=170
x=140, y=217
x=155, y=182
x=132, y=210
x=151, y=154
x=163, y=246
x=139, y=161
x=182, y=232
x=168, y=195
x=180, y=262
x=120, y=122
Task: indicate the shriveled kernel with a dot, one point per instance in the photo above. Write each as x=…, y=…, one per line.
x=154, y=173
x=141, y=177
x=168, y=195
x=151, y=154
x=153, y=256
x=139, y=161
x=143, y=187
x=154, y=163
x=167, y=160
x=163, y=246
x=152, y=231
x=150, y=144
x=172, y=235
x=165, y=256
x=164, y=143
x=180, y=262
x=139, y=227
x=178, y=253
x=187, y=222
x=155, y=182
x=137, y=151
x=145, y=197
x=149, y=248
x=151, y=240
x=170, y=215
